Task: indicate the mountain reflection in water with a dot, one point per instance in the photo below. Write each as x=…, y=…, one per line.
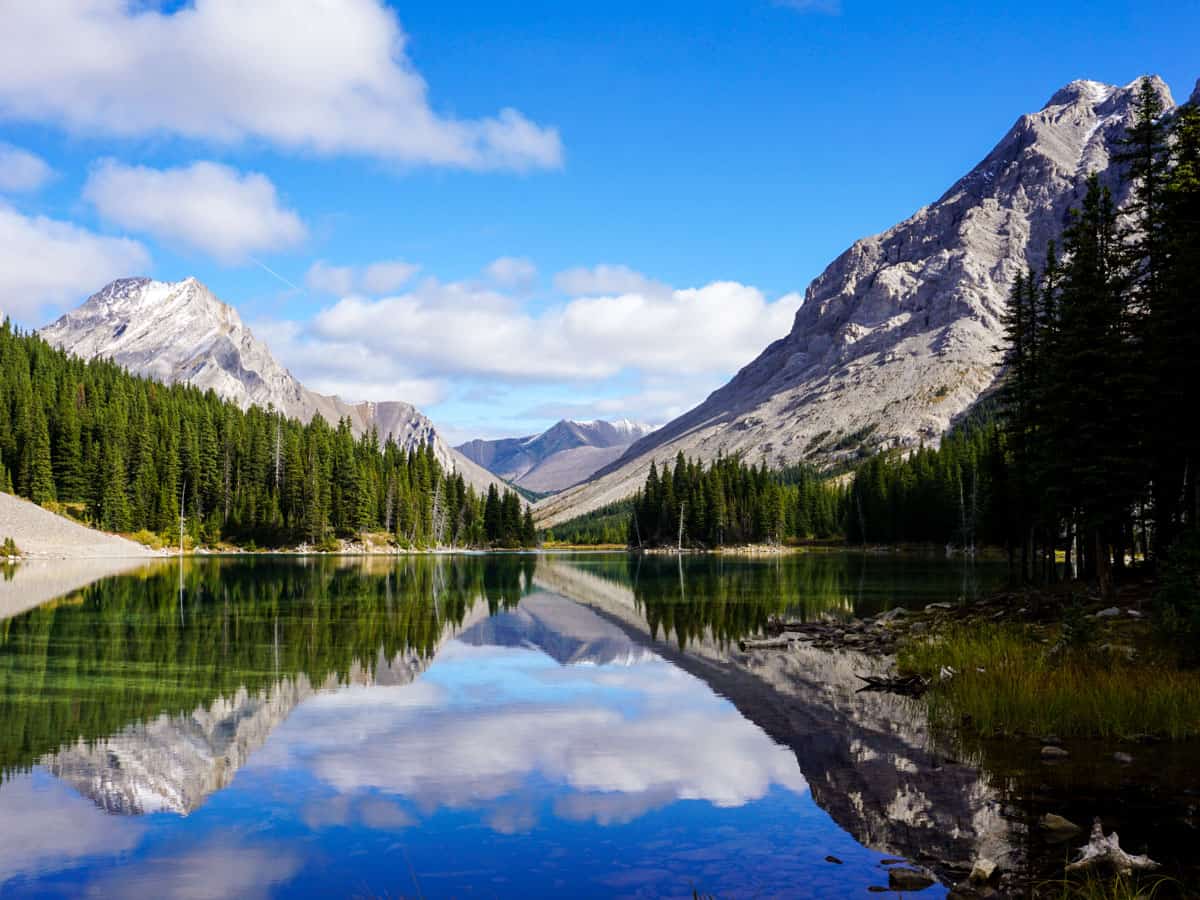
x=512, y=724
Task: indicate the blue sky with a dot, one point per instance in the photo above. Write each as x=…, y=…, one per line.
x=709, y=157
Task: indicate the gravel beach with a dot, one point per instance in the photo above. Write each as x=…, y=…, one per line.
x=41, y=534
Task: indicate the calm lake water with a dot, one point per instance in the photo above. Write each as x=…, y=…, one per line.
x=515, y=725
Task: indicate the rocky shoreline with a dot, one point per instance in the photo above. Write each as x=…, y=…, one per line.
x=1119, y=629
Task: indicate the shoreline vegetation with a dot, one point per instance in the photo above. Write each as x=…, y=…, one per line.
x=169, y=463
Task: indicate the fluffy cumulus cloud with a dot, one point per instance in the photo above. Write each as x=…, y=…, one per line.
x=49, y=263
x=20, y=170
x=669, y=347
x=204, y=206
x=714, y=328
x=347, y=368
x=326, y=77
x=376, y=278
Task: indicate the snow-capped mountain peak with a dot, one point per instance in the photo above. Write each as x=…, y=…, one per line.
x=179, y=331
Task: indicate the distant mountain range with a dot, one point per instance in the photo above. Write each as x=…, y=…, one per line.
x=899, y=335
x=181, y=332
x=564, y=454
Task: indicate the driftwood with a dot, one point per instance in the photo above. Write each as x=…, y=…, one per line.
x=909, y=685
x=780, y=643
x=1105, y=852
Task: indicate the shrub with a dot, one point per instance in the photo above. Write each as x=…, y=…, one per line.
x=9, y=548
x=1009, y=684
x=149, y=538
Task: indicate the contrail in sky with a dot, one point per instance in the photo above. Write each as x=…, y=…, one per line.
x=271, y=271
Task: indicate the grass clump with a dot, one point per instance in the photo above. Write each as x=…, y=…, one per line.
x=1119, y=887
x=1008, y=683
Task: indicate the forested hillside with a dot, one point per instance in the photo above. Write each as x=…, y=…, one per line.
x=1095, y=452
x=1092, y=446
x=731, y=502
x=127, y=451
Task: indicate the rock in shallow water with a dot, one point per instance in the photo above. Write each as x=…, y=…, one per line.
x=982, y=871
x=1059, y=825
x=902, y=879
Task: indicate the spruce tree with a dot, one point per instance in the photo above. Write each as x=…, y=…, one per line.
x=41, y=480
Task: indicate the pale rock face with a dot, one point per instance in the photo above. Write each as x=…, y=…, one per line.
x=181, y=332
x=898, y=336
x=565, y=454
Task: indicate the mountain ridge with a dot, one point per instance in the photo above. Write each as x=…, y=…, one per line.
x=182, y=332
x=562, y=455
x=897, y=337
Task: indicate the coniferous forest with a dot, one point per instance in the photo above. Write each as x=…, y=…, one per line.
x=1090, y=449
x=1091, y=457
x=731, y=502
x=123, y=452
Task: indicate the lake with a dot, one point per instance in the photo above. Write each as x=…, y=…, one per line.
x=499, y=725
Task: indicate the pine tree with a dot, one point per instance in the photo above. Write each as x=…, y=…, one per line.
x=41, y=480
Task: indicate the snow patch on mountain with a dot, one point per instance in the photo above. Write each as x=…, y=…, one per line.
x=181, y=332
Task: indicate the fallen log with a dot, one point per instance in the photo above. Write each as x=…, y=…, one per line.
x=779, y=643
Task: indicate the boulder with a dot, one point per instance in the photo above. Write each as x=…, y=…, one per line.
x=982, y=871
x=1058, y=825
x=905, y=879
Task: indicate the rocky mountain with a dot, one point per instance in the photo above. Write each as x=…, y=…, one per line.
x=181, y=332
x=897, y=337
x=562, y=455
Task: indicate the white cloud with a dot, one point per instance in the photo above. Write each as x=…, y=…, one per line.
x=20, y=170
x=48, y=263
x=715, y=328
x=515, y=272
x=350, y=370
x=206, y=206
x=606, y=279
x=327, y=279
x=377, y=278
x=667, y=348
x=326, y=77
x=388, y=275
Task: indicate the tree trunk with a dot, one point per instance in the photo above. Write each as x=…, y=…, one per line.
x=1103, y=565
